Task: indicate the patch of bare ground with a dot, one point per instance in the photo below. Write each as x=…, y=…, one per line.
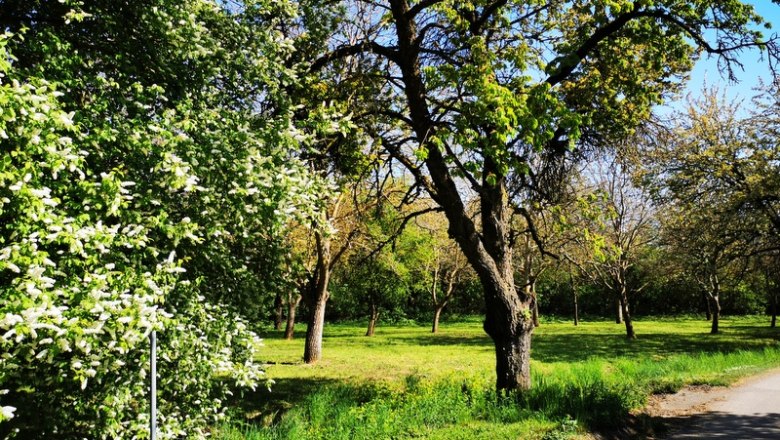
x=749, y=409
x=690, y=400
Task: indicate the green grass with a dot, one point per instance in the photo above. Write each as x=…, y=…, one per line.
x=407, y=383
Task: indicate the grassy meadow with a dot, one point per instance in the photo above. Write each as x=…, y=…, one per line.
x=405, y=382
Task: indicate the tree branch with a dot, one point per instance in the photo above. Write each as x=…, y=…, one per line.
x=355, y=49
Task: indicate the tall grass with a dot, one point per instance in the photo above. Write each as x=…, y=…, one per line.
x=569, y=396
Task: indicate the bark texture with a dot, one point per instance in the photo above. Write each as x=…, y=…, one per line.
x=513, y=356
x=436, y=316
x=535, y=309
x=317, y=298
x=576, y=305
x=627, y=317
x=715, y=304
x=372, y=319
x=313, y=349
x=292, y=307
x=618, y=311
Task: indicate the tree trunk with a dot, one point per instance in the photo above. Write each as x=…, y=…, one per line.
x=535, y=309
x=436, y=316
x=576, y=305
x=715, y=314
x=576, y=310
x=627, y=317
x=508, y=323
x=513, y=357
x=278, y=308
x=292, y=306
x=618, y=311
x=372, y=320
x=774, y=311
x=313, y=350
x=317, y=298
x=709, y=308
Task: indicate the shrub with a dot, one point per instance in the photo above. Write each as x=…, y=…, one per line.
x=83, y=282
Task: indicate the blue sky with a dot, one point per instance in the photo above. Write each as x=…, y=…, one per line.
x=706, y=70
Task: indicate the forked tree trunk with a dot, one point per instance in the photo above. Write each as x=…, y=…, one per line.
x=618, y=311
x=774, y=311
x=316, y=299
x=278, y=311
x=292, y=306
x=715, y=313
x=372, y=319
x=438, y=306
x=709, y=307
x=627, y=317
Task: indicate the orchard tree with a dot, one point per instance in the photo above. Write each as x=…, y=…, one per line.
x=448, y=268
x=617, y=237
x=716, y=174
x=486, y=100
x=439, y=265
x=709, y=252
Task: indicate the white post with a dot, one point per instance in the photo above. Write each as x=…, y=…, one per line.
x=153, y=386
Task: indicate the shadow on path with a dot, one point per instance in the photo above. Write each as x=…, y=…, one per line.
x=720, y=425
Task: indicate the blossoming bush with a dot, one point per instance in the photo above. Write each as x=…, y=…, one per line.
x=84, y=279
x=149, y=170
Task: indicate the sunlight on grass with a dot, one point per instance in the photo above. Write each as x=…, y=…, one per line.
x=408, y=383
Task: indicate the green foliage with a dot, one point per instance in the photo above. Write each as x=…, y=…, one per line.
x=83, y=285
x=146, y=179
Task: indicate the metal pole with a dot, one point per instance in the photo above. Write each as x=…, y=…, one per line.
x=153, y=386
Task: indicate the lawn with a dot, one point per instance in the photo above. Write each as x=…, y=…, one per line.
x=405, y=382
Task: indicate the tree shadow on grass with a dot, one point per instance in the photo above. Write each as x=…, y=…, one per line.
x=574, y=347
x=446, y=340
x=265, y=406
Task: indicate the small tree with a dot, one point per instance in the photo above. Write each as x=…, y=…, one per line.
x=618, y=237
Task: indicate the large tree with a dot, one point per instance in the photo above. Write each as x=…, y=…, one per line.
x=485, y=99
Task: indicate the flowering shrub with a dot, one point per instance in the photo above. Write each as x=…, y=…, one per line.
x=83, y=282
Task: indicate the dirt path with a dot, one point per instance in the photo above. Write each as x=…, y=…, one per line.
x=748, y=410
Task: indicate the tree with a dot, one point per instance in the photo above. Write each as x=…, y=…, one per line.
x=716, y=173
x=439, y=265
x=491, y=97
x=618, y=237
x=449, y=267
x=707, y=250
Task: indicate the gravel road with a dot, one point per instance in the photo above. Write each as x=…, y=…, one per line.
x=749, y=410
